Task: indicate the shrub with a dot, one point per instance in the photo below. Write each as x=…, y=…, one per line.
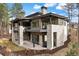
x=72, y=51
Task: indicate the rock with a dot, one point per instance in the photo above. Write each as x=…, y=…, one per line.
x=8, y=50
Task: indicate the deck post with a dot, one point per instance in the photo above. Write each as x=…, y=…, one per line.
x=40, y=40
x=21, y=34
x=13, y=38
x=31, y=37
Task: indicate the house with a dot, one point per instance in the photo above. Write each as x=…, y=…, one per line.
x=46, y=30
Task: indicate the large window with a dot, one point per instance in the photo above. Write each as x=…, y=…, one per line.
x=55, y=20
x=62, y=22
x=45, y=22
x=44, y=25
x=35, y=39
x=35, y=24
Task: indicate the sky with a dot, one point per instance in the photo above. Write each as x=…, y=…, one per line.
x=30, y=8
x=56, y=8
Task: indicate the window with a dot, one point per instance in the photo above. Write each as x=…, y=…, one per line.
x=55, y=20
x=35, y=39
x=35, y=24
x=61, y=22
x=45, y=22
x=55, y=38
x=44, y=25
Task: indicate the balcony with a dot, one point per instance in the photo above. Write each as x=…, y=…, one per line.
x=28, y=29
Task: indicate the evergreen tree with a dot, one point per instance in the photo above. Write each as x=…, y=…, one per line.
x=17, y=10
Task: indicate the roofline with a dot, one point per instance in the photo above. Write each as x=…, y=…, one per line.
x=41, y=15
x=52, y=14
x=20, y=19
x=34, y=14
x=48, y=14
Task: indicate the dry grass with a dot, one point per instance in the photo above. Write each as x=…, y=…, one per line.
x=61, y=52
x=10, y=45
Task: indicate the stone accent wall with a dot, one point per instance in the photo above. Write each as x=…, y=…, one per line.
x=61, y=35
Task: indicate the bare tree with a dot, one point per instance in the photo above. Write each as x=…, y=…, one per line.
x=78, y=21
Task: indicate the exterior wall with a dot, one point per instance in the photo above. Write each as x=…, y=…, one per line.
x=15, y=36
x=65, y=24
x=49, y=37
x=21, y=34
x=61, y=30
x=18, y=35
x=65, y=32
x=61, y=35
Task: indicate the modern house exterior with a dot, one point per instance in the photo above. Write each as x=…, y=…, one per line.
x=47, y=30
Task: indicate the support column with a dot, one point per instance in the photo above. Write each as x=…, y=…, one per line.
x=31, y=37
x=13, y=38
x=40, y=23
x=21, y=34
x=40, y=40
x=49, y=37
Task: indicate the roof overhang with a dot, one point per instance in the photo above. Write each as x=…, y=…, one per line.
x=20, y=19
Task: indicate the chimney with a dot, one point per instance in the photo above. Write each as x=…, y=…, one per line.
x=43, y=10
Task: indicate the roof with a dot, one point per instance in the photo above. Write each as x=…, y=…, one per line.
x=20, y=19
x=40, y=15
x=34, y=14
x=43, y=15
x=57, y=15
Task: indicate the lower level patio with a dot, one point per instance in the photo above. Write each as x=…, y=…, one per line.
x=29, y=45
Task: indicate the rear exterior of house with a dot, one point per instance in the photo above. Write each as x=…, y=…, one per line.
x=42, y=29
